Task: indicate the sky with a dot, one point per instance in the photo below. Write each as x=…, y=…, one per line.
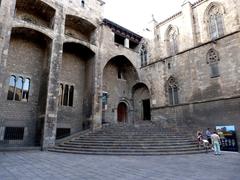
x=136, y=15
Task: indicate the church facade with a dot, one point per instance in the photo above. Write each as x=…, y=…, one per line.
x=65, y=69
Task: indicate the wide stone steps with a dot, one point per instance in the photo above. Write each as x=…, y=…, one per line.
x=129, y=140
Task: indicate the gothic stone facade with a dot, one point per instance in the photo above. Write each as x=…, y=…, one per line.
x=194, y=74
x=63, y=69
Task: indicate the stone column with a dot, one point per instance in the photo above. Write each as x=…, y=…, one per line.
x=189, y=34
x=6, y=17
x=98, y=81
x=97, y=99
x=126, y=42
x=50, y=121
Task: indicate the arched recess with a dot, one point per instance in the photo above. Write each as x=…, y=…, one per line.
x=119, y=75
x=80, y=28
x=141, y=102
x=35, y=12
x=76, y=81
x=28, y=58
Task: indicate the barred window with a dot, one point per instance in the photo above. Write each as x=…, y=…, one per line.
x=66, y=95
x=212, y=60
x=14, y=133
x=215, y=23
x=172, y=91
x=18, y=89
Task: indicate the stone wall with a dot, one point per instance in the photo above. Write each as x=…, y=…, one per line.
x=47, y=66
x=204, y=101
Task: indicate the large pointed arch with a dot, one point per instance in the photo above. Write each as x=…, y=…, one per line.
x=212, y=5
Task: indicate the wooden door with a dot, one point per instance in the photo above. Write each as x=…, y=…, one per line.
x=122, y=112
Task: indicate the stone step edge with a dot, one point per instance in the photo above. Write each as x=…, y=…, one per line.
x=128, y=150
x=128, y=154
x=128, y=147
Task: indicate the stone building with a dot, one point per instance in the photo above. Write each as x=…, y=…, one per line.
x=64, y=69
x=194, y=73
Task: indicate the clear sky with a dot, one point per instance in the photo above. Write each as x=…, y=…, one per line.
x=136, y=15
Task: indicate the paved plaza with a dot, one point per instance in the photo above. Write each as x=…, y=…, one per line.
x=46, y=165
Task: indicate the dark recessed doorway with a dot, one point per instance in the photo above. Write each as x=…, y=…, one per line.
x=146, y=109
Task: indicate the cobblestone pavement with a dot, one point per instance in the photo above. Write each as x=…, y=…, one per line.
x=53, y=166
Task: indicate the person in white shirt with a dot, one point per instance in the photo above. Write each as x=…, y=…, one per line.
x=216, y=143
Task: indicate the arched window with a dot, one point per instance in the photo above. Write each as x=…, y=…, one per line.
x=11, y=88
x=172, y=91
x=215, y=22
x=26, y=88
x=71, y=94
x=19, y=89
x=172, y=40
x=144, y=56
x=212, y=60
x=66, y=95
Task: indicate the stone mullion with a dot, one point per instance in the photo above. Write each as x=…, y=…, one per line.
x=50, y=121
x=62, y=96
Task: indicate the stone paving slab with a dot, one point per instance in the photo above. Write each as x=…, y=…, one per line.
x=37, y=165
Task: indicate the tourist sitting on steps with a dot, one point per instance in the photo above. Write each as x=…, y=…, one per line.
x=199, y=138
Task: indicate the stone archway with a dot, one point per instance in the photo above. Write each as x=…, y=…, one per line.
x=122, y=112
x=28, y=62
x=75, y=88
x=119, y=75
x=141, y=102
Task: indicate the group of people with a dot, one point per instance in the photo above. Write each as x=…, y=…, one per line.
x=212, y=141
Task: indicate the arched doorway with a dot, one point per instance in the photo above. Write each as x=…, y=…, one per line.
x=141, y=99
x=122, y=112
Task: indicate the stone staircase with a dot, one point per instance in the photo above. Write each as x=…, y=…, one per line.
x=144, y=139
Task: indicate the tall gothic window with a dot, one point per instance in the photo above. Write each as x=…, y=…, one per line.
x=18, y=89
x=172, y=41
x=172, y=91
x=144, y=56
x=215, y=20
x=212, y=60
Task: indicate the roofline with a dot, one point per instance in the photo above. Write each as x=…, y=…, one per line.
x=196, y=3
x=108, y=22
